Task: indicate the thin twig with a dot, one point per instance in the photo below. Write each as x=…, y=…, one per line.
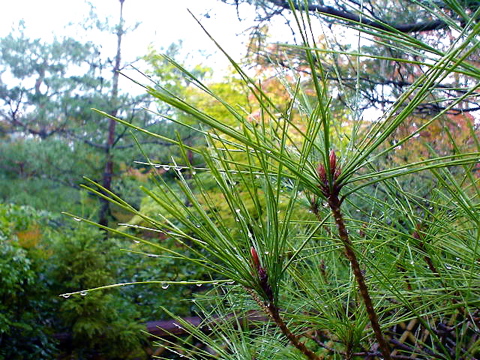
x=272, y=310
x=331, y=188
x=334, y=203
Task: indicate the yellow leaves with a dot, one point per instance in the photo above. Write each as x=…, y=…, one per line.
x=142, y=175
x=437, y=137
x=29, y=238
x=120, y=214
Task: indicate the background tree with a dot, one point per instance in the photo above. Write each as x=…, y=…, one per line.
x=378, y=82
x=111, y=138
x=47, y=92
x=418, y=16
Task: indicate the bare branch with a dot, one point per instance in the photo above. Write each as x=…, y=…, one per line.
x=363, y=20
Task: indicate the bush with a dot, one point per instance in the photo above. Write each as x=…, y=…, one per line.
x=42, y=258
x=25, y=328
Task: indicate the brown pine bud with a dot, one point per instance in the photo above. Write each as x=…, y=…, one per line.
x=337, y=173
x=322, y=175
x=262, y=275
x=333, y=161
x=264, y=284
x=255, y=259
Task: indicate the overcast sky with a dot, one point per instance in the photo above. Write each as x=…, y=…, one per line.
x=162, y=23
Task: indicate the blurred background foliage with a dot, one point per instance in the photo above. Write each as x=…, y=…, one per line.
x=50, y=139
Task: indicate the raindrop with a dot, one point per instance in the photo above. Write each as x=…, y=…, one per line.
x=166, y=167
x=257, y=176
x=457, y=258
x=230, y=282
x=448, y=267
x=77, y=219
x=136, y=241
x=372, y=251
x=412, y=262
x=83, y=293
x=157, y=166
x=266, y=253
x=153, y=255
x=178, y=168
x=199, y=284
x=194, y=172
x=66, y=296
x=238, y=211
x=165, y=286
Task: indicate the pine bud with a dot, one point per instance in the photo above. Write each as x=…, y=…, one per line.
x=333, y=161
x=322, y=175
x=263, y=277
x=337, y=173
x=255, y=259
x=334, y=174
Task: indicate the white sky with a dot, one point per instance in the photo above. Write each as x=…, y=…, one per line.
x=162, y=23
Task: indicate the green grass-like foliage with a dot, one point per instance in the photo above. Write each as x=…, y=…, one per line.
x=400, y=251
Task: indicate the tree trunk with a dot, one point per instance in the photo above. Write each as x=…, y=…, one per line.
x=109, y=160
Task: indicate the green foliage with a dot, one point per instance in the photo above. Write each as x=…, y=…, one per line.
x=32, y=167
x=24, y=326
x=96, y=320
x=45, y=109
x=270, y=194
x=333, y=238
x=42, y=258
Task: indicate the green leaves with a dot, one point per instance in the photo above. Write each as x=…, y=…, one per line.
x=252, y=205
